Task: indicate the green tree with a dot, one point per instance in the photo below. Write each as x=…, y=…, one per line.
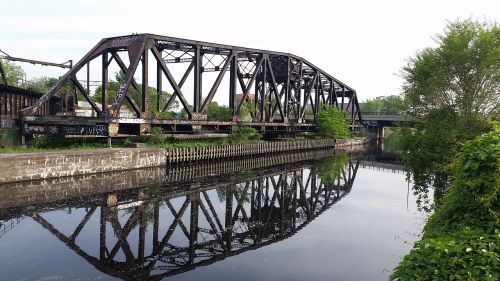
x=393, y=104
x=388, y=104
x=372, y=105
x=41, y=84
x=218, y=112
x=463, y=72
x=332, y=123
x=452, y=92
x=14, y=73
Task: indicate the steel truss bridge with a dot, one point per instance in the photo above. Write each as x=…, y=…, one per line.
x=281, y=91
x=179, y=230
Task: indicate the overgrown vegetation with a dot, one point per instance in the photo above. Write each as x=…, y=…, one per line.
x=453, y=93
x=333, y=123
x=461, y=239
x=245, y=134
x=53, y=142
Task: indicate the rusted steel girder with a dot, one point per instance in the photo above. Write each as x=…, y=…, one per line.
x=281, y=87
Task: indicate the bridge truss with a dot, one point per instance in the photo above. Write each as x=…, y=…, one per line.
x=281, y=91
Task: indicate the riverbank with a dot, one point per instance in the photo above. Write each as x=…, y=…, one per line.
x=462, y=238
x=43, y=165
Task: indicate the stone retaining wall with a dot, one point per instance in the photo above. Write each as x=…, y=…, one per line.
x=31, y=166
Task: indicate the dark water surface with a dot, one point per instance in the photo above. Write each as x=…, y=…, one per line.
x=344, y=217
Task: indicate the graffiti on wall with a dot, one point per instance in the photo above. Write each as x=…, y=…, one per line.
x=91, y=130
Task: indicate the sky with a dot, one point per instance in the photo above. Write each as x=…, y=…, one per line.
x=362, y=43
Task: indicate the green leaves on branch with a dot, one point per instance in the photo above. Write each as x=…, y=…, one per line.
x=462, y=73
x=333, y=123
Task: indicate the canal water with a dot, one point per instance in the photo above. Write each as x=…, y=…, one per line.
x=347, y=216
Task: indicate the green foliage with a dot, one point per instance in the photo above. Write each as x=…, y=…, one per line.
x=463, y=72
x=432, y=144
x=157, y=136
x=218, y=112
x=245, y=134
x=461, y=239
x=333, y=123
x=371, y=105
x=463, y=256
x=382, y=105
x=393, y=104
x=13, y=73
x=329, y=169
x=52, y=142
x=452, y=91
x=42, y=84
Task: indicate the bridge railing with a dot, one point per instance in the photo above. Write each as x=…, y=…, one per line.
x=382, y=113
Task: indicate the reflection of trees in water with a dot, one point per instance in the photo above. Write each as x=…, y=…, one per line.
x=329, y=169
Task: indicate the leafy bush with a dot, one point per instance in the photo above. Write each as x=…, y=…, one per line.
x=245, y=134
x=44, y=142
x=333, y=123
x=461, y=238
x=157, y=136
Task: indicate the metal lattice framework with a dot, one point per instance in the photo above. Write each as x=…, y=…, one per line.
x=285, y=91
x=258, y=212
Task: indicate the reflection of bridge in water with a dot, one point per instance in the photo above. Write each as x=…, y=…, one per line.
x=397, y=168
x=165, y=229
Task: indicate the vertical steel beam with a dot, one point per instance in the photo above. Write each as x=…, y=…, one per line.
x=88, y=78
x=343, y=96
x=159, y=86
x=102, y=235
x=263, y=92
x=287, y=87
x=156, y=225
x=193, y=226
x=145, y=88
x=198, y=62
x=104, y=87
x=232, y=81
x=316, y=97
x=228, y=218
x=142, y=233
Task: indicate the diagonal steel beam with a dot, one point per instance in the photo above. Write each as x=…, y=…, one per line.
x=181, y=83
x=170, y=78
x=249, y=85
x=86, y=95
x=216, y=84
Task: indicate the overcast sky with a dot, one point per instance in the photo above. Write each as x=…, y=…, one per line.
x=362, y=43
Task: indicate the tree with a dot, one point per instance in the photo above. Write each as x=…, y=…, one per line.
x=13, y=73
x=452, y=91
x=392, y=104
x=388, y=104
x=372, y=106
x=463, y=72
x=333, y=123
x=218, y=112
x=41, y=84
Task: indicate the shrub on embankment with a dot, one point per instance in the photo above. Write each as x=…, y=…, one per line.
x=461, y=239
